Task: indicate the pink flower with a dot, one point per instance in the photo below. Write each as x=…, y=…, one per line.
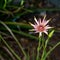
x=40, y=26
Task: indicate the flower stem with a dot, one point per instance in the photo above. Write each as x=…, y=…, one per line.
x=38, y=48
x=44, y=49
x=46, y=43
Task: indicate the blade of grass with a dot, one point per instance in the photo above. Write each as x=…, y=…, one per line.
x=27, y=26
x=13, y=37
x=6, y=49
x=21, y=33
x=10, y=48
x=51, y=50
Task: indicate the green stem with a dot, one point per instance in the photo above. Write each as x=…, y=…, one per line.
x=43, y=54
x=10, y=49
x=38, y=49
x=46, y=43
x=43, y=40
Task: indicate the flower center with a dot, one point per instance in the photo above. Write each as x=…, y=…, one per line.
x=40, y=28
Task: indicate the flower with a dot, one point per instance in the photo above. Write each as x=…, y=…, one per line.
x=40, y=26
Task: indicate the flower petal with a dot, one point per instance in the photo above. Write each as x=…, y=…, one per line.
x=39, y=21
x=44, y=17
x=46, y=32
x=48, y=27
x=36, y=20
x=46, y=22
x=32, y=30
x=32, y=24
x=43, y=22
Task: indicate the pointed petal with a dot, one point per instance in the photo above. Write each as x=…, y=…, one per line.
x=36, y=20
x=39, y=21
x=48, y=27
x=43, y=22
x=44, y=17
x=46, y=22
x=46, y=32
x=32, y=30
x=32, y=24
